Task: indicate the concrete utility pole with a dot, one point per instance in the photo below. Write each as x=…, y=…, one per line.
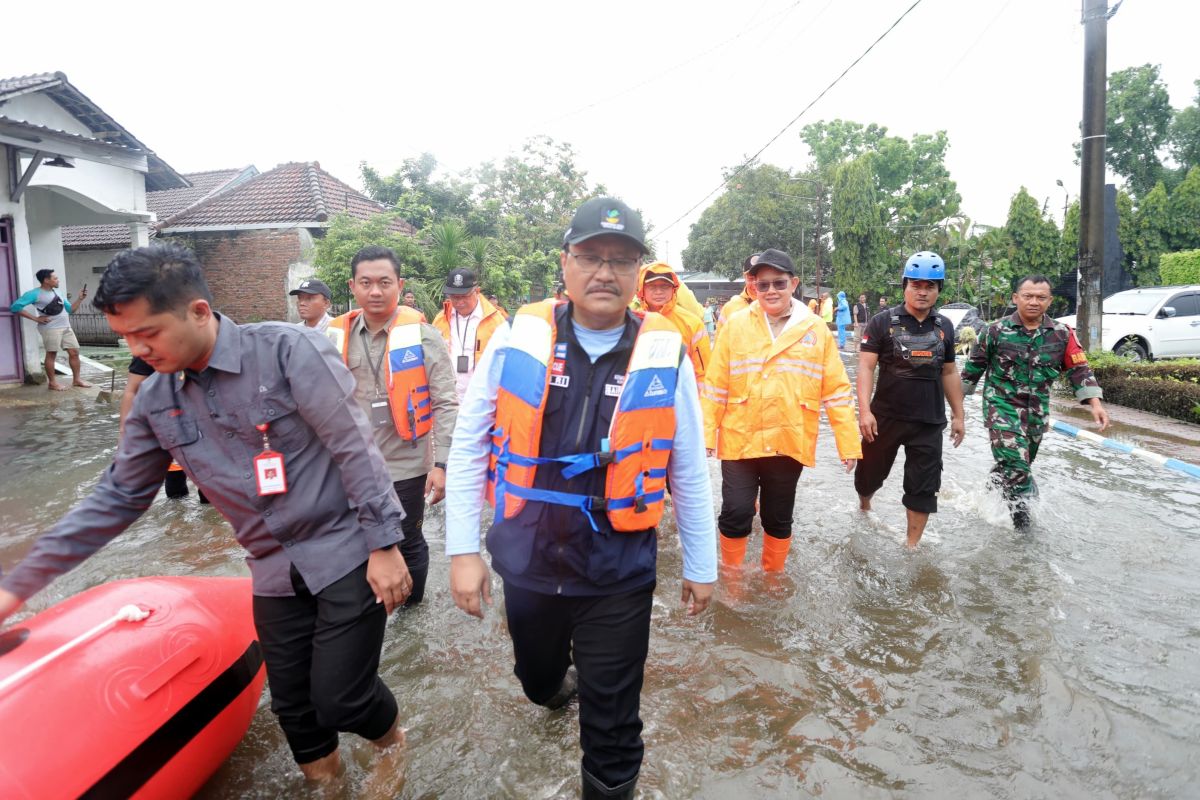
x=1091, y=190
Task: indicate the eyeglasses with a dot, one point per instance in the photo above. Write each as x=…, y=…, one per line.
x=590, y=264
x=1029, y=298
x=779, y=285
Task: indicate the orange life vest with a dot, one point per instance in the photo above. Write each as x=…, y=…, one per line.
x=493, y=318
x=640, y=438
x=407, y=387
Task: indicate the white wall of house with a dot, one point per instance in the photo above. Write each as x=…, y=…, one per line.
x=91, y=193
x=299, y=270
x=86, y=266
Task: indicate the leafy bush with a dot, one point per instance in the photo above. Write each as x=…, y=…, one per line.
x=1170, y=388
x=1180, y=268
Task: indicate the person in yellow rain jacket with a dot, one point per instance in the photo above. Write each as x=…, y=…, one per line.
x=743, y=300
x=773, y=369
x=658, y=290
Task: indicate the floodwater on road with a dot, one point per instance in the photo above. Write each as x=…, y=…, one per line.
x=1062, y=663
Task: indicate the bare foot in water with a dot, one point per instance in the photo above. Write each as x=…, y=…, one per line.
x=82, y=384
x=387, y=776
x=57, y=387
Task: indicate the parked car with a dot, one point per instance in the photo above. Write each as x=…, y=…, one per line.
x=1150, y=323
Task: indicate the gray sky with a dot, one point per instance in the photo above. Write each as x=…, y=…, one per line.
x=655, y=97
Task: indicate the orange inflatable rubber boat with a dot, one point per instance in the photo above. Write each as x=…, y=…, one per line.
x=137, y=688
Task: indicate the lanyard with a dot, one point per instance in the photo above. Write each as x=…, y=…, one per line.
x=375, y=363
x=462, y=334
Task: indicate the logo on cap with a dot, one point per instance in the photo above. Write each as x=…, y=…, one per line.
x=304, y=285
x=458, y=279
x=612, y=220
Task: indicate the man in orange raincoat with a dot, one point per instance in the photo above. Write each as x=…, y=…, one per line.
x=657, y=287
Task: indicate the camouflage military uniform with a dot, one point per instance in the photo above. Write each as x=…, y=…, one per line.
x=1021, y=366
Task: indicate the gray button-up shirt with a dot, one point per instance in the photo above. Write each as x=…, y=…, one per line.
x=339, y=506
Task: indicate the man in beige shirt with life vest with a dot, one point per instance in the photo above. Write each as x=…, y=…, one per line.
x=405, y=386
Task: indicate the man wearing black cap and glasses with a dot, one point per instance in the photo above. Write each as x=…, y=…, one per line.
x=575, y=418
x=313, y=301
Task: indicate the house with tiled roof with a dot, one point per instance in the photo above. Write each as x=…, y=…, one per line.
x=87, y=249
x=256, y=239
x=65, y=162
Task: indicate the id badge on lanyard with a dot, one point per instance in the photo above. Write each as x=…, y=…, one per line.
x=269, y=473
x=381, y=413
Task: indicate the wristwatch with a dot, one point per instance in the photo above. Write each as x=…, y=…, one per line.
x=439, y=465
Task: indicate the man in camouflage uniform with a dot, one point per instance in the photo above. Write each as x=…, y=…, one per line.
x=1023, y=354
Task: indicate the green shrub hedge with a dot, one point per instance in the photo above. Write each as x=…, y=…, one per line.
x=1179, y=268
x=1169, y=388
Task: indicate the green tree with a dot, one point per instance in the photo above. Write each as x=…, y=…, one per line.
x=532, y=197
x=762, y=207
x=1139, y=119
x=1033, y=241
x=1069, y=241
x=417, y=196
x=1149, y=235
x=912, y=182
x=860, y=255
x=1183, y=224
x=1185, y=134
x=346, y=235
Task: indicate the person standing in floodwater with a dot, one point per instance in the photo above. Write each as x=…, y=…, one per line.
x=405, y=386
x=574, y=419
x=220, y=392
x=1022, y=355
x=773, y=370
x=913, y=346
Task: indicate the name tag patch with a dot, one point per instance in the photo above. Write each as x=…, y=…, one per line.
x=561, y=381
x=612, y=390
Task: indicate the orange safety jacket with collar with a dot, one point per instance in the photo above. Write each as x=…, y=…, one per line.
x=762, y=396
x=493, y=318
x=690, y=326
x=638, y=446
x=407, y=384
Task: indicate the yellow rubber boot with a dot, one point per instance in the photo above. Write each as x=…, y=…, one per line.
x=733, y=550
x=775, y=552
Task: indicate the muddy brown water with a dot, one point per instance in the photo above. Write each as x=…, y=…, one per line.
x=1063, y=663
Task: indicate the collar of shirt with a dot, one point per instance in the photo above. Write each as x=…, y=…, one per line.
x=475, y=316
x=227, y=352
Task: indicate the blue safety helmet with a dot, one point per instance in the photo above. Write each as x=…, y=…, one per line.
x=925, y=265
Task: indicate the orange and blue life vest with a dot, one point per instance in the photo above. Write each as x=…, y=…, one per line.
x=407, y=384
x=636, y=450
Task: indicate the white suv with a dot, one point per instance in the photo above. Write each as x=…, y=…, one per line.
x=1155, y=322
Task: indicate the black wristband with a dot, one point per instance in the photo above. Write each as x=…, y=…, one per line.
x=439, y=465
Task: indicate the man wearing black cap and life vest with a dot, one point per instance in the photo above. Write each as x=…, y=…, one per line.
x=466, y=321
x=577, y=414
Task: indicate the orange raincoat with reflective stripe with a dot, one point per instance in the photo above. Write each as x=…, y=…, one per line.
x=690, y=326
x=763, y=397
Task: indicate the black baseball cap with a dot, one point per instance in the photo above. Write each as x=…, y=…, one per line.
x=606, y=215
x=774, y=258
x=313, y=286
x=460, y=281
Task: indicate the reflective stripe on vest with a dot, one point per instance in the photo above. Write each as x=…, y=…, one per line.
x=640, y=437
x=408, y=387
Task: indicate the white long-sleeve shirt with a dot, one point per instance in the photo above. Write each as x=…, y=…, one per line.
x=687, y=469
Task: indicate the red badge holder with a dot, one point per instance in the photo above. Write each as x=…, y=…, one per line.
x=269, y=473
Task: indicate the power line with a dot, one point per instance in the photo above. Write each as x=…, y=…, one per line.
x=742, y=167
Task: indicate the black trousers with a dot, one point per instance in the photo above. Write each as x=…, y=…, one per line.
x=414, y=548
x=608, y=638
x=322, y=657
x=922, y=442
x=741, y=482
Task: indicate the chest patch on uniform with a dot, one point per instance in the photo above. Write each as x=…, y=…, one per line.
x=922, y=354
x=809, y=339
x=561, y=381
x=558, y=367
x=614, y=389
